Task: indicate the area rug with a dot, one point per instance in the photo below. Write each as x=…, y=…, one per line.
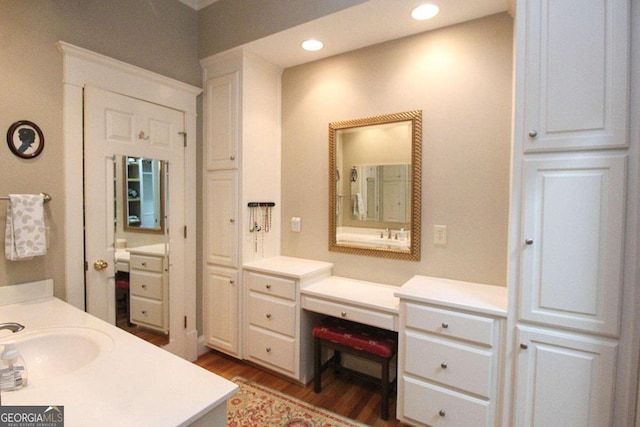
x=258, y=406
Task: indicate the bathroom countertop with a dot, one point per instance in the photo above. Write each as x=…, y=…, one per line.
x=133, y=384
x=479, y=298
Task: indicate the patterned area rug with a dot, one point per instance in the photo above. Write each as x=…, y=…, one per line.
x=258, y=406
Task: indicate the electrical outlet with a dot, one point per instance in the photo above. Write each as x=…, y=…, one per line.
x=295, y=224
x=440, y=235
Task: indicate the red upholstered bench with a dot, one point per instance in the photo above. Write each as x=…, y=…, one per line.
x=342, y=336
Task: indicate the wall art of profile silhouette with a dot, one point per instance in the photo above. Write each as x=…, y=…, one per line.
x=25, y=139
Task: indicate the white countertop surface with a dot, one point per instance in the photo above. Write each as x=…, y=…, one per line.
x=134, y=384
x=157, y=249
x=297, y=268
x=355, y=292
x=468, y=296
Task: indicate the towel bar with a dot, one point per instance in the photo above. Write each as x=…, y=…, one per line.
x=47, y=197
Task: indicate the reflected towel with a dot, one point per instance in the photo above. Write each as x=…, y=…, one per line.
x=358, y=206
x=25, y=231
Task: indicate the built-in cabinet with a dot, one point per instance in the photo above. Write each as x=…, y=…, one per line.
x=241, y=165
x=149, y=287
x=450, y=358
x=568, y=219
x=277, y=330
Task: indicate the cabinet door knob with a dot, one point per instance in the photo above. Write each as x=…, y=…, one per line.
x=232, y=157
x=343, y=314
x=232, y=221
x=442, y=413
x=144, y=286
x=144, y=312
x=231, y=282
x=524, y=346
x=268, y=286
x=528, y=242
x=533, y=133
x=445, y=325
x=268, y=315
x=268, y=349
x=443, y=365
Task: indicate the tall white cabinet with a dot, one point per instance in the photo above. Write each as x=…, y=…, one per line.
x=570, y=187
x=241, y=164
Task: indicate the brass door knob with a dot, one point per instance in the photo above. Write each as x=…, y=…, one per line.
x=100, y=264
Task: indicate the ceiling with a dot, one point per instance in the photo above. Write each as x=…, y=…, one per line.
x=369, y=23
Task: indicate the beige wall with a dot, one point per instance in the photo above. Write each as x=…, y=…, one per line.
x=460, y=77
x=159, y=35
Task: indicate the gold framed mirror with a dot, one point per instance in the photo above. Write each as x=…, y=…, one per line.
x=375, y=171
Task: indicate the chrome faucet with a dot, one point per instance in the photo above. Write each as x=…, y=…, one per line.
x=11, y=326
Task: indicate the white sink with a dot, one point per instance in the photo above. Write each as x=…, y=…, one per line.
x=50, y=352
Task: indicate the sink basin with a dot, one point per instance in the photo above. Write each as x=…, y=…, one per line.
x=50, y=352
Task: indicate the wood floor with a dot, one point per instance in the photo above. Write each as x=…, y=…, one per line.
x=345, y=395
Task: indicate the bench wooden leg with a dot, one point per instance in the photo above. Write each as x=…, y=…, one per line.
x=385, y=389
x=317, y=365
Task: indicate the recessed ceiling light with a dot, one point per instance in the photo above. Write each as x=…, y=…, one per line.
x=312, y=45
x=426, y=11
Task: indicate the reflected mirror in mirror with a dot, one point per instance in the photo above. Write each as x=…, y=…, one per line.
x=374, y=189
x=143, y=194
x=141, y=247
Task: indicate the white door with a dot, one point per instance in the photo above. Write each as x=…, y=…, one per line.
x=221, y=308
x=221, y=224
x=564, y=379
x=118, y=125
x=572, y=253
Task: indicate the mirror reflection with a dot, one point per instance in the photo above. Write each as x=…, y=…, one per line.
x=375, y=190
x=141, y=248
x=143, y=207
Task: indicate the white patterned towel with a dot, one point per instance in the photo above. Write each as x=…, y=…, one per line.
x=25, y=232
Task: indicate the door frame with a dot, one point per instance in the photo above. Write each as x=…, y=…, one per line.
x=82, y=68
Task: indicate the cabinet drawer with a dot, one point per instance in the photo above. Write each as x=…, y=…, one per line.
x=436, y=406
x=446, y=362
x=447, y=323
x=146, y=263
x=354, y=314
x=276, y=286
x=271, y=349
x=148, y=285
x=278, y=315
x=146, y=311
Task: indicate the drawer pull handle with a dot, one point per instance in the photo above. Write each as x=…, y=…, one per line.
x=445, y=325
x=533, y=133
x=268, y=286
x=528, y=242
x=144, y=264
x=524, y=346
x=343, y=314
x=144, y=312
x=442, y=413
x=144, y=286
x=268, y=349
x=443, y=365
x=231, y=282
x=268, y=315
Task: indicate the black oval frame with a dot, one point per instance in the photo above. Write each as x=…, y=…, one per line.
x=11, y=137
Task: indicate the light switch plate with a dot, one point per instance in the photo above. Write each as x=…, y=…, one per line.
x=440, y=235
x=296, y=224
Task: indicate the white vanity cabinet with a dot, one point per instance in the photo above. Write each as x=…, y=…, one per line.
x=149, y=287
x=452, y=337
x=277, y=331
